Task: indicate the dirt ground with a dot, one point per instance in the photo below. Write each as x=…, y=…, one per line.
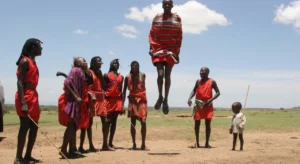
x=167, y=145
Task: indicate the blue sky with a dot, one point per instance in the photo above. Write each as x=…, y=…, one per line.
x=242, y=42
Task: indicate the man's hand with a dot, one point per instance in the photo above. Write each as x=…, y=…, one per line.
x=208, y=102
x=177, y=58
x=189, y=102
x=151, y=52
x=123, y=110
x=79, y=100
x=24, y=108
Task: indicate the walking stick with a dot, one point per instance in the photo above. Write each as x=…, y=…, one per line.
x=246, y=97
x=49, y=139
x=193, y=114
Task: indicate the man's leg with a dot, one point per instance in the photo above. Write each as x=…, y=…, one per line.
x=82, y=138
x=72, y=147
x=113, y=128
x=67, y=138
x=168, y=71
x=105, y=130
x=31, y=140
x=133, y=131
x=197, y=131
x=24, y=126
x=160, y=81
x=144, y=132
x=207, y=130
x=90, y=136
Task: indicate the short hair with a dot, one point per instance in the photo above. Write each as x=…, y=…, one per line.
x=239, y=105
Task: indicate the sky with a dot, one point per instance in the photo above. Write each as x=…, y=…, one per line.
x=244, y=43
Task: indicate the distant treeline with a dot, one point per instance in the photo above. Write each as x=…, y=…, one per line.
x=11, y=107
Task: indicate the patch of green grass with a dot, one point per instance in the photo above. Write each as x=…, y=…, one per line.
x=256, y=119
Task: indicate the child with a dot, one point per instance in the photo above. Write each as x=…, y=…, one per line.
x=237, y=124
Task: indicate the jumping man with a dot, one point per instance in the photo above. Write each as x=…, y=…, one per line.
x=165, y=42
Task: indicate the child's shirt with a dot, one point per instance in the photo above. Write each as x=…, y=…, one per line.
x=238, y=120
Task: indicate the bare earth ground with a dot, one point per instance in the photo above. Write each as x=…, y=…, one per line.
x=167, y=145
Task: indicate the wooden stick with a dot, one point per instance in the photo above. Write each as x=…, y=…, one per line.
x=196, y=145
x=246, y=97
x=49, y=139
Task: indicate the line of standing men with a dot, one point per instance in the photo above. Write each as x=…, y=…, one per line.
x=89, y=93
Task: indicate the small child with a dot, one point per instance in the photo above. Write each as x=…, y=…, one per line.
x=237, y=124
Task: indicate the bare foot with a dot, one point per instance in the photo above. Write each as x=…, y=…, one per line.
x=20, y=161
x=93, y=149
x=143, y=147
x=207, y=146
x=82, y=151
x=107, y=148
x=133, y=147
x=31, y=159
x=64, y=154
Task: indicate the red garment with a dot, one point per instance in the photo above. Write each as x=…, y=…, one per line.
x=30, y=95
x=63, y=118
x=137, y=98
x=165, y=37
x=113, y=94
x=97, y=108
x=84, y=114
x=204, y=92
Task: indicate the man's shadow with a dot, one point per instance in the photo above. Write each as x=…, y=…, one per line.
x=201, y=147
x=2, y=138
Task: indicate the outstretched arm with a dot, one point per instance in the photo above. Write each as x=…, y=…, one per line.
x=193, y=93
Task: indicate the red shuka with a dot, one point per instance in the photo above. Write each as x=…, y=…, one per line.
x=204, y=92
x=64, y=119
x=165, y=37
x=30, y=95
x=113, y=94
x=97, y=108
x=137, y=98
x=85, y=115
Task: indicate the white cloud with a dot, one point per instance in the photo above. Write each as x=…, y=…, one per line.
x=81, y=32
x=97, y=36
x=112, y=53
x=196, y=17
x=289, y=14
x=127, y=31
